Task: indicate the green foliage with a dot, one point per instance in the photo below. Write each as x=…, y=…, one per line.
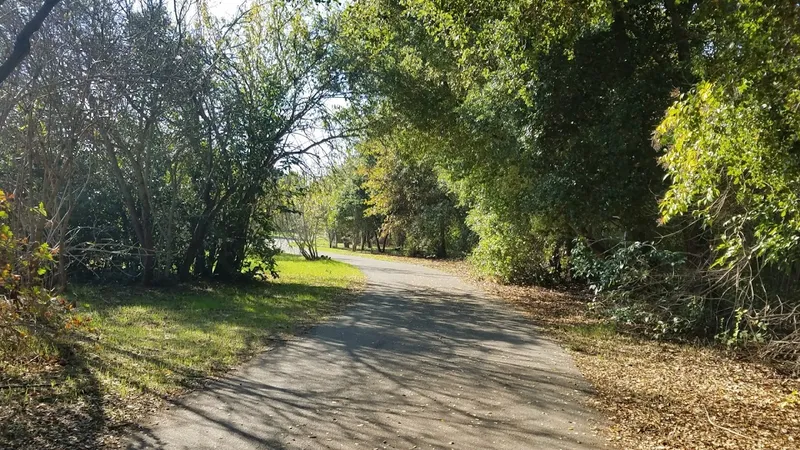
x=417, y=207
x=32, y=317
x=731, y=170
x=746, y=330
x=627, y=267
x=513, y=252
x=730, y=152
x=731, y=142
x=305, y=218
x=541, y=120
x=646, y=288
x=349, y=221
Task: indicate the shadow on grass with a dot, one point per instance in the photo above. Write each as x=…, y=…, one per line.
x=151, y=344
x=62, y=410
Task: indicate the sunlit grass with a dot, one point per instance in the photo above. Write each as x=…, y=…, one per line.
x=159, y=340
x=147, y=343
x=324, y=248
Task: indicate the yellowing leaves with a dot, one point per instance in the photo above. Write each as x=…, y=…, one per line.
x=723, y=151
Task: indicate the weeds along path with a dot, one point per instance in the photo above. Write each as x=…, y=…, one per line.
x=421, y=360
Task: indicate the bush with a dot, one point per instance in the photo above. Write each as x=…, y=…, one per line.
x=646, y=288
x=30, y=314
x=659, y=293
x=516, y=253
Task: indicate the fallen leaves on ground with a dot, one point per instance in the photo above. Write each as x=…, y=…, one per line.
x=676, y=396
x=660, y=395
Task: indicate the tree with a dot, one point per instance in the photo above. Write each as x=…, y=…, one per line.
x=730, y=150
x=282, y=76
x=542, y=121
x=155, y=142
x=350, y=219
x=411, y=199
x=48, y=126
x=22, y=43
x=305, y=218
x=129, y=111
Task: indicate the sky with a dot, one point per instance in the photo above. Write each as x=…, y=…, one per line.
x=224, y=8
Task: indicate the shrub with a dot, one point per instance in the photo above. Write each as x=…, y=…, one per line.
x=515, y=253
x=644, y=287
x=30, y=314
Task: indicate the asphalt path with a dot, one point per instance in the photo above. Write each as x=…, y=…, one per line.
x=421, y=360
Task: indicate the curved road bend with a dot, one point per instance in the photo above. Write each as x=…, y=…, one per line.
x=420, y=361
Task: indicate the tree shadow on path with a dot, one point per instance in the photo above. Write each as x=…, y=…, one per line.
x=407, y=366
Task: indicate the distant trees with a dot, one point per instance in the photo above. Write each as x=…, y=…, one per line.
x=350, y=221
x=417, y=208
x=304, y=220
x=383, y=195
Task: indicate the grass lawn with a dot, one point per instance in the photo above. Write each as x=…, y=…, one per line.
x=324, y=248
x=391, y=254
x=149, y=344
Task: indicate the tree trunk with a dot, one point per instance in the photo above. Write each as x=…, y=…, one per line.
x=195, y=244
x=378, y=243
x=206, y=260
x=677, y=17
x=231, y=250
x=230, y=259
x=148, y=258
x=140, y=218
x=22, y=44
x=169, y=238
x=62, y=247
x=441, y=252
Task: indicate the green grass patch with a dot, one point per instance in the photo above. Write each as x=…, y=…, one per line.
x=324, y=248
x=158, y=340
x=390, y=254
x=150, y=343
x=600, y=330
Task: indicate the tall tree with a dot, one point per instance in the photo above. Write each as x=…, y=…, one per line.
x=22, y=42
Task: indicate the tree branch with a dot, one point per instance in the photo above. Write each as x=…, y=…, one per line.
x=22, y=45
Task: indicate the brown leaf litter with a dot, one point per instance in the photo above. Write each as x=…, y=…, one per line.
x=662, y=395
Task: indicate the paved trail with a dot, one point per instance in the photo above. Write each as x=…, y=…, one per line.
x=421, y=361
